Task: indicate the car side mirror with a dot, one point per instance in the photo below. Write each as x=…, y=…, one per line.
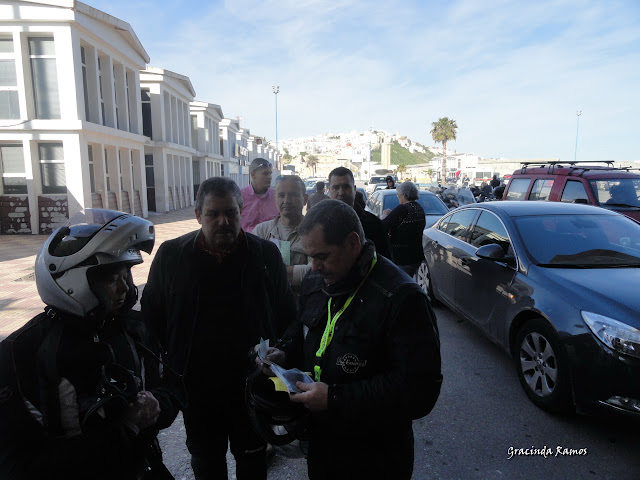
x=366, y=183
x=495, y=252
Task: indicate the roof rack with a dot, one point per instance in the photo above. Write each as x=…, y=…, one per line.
x=552, y=165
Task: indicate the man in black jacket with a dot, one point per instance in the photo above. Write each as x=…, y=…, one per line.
x=342, y=187
x=369, y=335
x=211, y=295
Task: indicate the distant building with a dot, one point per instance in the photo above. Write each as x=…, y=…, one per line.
x=205, y=139
x=168, y=157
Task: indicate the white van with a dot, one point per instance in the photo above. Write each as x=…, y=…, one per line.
x=477, y=176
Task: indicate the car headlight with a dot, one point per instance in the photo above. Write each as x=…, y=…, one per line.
x=619, y=336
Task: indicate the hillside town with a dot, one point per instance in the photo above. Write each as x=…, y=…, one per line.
x=355, y=150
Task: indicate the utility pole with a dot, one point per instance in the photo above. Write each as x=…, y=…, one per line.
x=276, y=90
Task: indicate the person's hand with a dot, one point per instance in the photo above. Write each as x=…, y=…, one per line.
x=386, y=212
x=274, y=355
x=145, y=411
x=314, y=396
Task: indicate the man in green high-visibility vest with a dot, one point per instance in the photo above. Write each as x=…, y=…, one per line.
x=368, y=334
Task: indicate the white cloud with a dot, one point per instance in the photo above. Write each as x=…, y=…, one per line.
x=512, y=73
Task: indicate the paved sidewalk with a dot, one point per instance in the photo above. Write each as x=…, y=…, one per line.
x=19, y=300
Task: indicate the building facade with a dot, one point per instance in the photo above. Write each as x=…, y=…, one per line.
x=166, y=102
x=70, y=114
x=85, y=123
x=205, y=132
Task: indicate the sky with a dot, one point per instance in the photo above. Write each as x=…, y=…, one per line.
x=512, y=74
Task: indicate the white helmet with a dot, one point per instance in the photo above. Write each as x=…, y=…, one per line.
x=89, y=239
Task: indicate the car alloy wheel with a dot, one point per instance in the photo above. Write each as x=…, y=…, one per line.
x=422, y=276
x=542, y=366
x=423, y=279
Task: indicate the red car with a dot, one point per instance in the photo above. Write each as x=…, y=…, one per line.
x=617, y=189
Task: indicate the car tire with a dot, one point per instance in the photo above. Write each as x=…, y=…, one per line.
x=542, y=366
x=423, y=279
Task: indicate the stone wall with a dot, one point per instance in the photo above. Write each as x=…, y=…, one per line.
x=15, y=216
x=54, y=212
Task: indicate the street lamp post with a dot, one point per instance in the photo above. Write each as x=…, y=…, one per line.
x=575, y=154
x=369, y=172
x=276, y=90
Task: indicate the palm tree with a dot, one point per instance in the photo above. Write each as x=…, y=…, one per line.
x=312, y=161
x=442, y=131
x=401, y=168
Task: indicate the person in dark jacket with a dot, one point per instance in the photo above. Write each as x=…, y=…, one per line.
x=391, y=183
x=368, y=334
x=80, y=393
x=405, y=224
x=211, y=295
x=317, y=196
x=495, y=181
x=342, y=187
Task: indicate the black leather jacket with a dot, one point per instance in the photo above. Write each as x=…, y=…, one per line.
x=382, y=365
x=82, y=436
x=170, y=300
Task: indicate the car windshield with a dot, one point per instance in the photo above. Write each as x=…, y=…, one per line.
x=617, y=192
x=430, y=204
x=581, y=241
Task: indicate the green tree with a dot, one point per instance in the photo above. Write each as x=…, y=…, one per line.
x=401, y=168
x=302, y=154
x=312, y=161
x=430, y=173
x=286, y=158
x=442, y=131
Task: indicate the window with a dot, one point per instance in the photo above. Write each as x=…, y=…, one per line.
x=92, y=177
x=106, y=170
x=196, y=172
x=147, y=130
x=84, y=83
x=14, y=179
x=459, y=223
x=102, y=112
x=128, y=100
x=168, y=135
x=518, y=189
x=194, y=133
x=487, y=230
x=133, y=177
x=9, y=105
x=120, y=182
x=45, y=77
x=541, y=189
x=574, y=191
x=52, y=168
x=115, y=95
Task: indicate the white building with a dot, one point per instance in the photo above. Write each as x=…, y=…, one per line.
x=70, y=114
x=205, y=138
x=229, y=130
x=166, y=99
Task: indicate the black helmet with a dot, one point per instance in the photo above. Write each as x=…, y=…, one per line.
x=389, y=177
x=275, y=417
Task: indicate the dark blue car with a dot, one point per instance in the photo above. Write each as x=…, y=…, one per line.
x=557, y=285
